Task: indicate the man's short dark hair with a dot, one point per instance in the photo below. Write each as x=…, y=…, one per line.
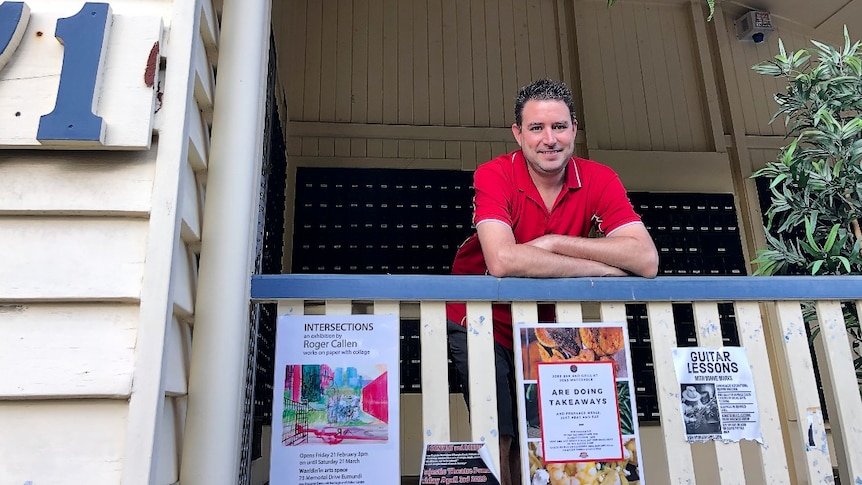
x=543, y=90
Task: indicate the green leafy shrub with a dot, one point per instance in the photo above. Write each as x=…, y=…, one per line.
x=816, y=180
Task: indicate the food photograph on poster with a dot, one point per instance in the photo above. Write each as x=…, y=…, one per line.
x=565, y=344
x=622, y=472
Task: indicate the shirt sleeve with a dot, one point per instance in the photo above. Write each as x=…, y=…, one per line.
x=494, y=191
x=614, y=209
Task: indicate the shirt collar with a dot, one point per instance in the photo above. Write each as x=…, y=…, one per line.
x=524, y=183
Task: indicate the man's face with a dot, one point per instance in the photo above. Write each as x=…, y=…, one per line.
x=546, y=136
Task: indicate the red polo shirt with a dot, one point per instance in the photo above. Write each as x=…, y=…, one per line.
x=593, y=197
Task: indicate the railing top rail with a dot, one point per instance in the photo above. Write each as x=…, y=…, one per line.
x=472, y=288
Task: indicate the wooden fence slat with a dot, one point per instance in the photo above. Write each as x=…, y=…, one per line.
x=663, y=335
x=387, y=307
x=339, y=307
x=483, y=386
x=291, y=307
x=613, y=312
x=749, y=325
x=525, y=312
x=728, y=455
x=569, y=312
x=837, y=360
x=809, y=415
x=435, y=383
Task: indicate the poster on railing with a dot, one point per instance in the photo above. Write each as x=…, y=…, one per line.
x=717, y=398
x=577, y=415
x=335, y=401
x=444, y=463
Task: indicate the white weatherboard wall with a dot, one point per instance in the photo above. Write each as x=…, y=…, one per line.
x=98, y=266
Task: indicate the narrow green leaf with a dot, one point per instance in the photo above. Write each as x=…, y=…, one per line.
x=816, y=267
x=836, y=169
x=813, y=252
x=810, y=224
x=777, y=180
x=830, y=239
x=845, y=262
x=823, y=47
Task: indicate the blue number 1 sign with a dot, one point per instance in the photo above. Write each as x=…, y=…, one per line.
x=13, y=22
x=84, y=36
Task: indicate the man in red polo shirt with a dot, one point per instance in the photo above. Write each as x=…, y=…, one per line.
x=534, y=210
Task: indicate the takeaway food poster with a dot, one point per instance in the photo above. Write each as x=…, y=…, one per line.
x=577, y=415
x=335, y=400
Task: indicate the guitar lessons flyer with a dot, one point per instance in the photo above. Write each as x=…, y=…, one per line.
x=335, y=407
x=717, y=397
x=577, y=415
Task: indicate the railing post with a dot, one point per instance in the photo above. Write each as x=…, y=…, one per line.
x=809, y=415
x=837, y=374
x=663, y=335
x=484, y=422
x=435, y=382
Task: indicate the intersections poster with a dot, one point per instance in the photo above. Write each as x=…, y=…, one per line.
x=577, y=417
x=335, y=404
x=717, y=396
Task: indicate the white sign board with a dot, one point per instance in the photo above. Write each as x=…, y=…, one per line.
x=717, y=398
x=577, y=416
x=336, y=401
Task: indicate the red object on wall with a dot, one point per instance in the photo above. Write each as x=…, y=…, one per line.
x=375, y=400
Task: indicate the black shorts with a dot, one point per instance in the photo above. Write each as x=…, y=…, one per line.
x=507, y=409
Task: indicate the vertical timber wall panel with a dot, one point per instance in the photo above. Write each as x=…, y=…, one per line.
x=416, y=62
x=653, y=42
x=756, y=91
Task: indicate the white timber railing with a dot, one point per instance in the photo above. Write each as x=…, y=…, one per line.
x=770, y=326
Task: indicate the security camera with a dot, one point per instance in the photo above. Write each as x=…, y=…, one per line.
x=754, y=26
